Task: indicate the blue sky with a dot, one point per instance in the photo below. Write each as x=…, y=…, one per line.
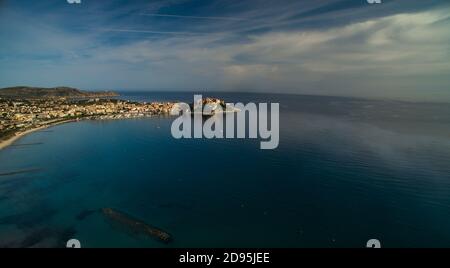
x=398, y=49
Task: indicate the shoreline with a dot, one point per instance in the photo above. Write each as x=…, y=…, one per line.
x=20, y=134
x=155, y=109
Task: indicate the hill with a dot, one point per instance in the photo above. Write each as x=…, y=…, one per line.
x=55, y=92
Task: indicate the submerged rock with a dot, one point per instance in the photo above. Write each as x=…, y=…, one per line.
x=136, y=225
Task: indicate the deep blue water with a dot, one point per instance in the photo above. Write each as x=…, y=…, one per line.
x=345, y=171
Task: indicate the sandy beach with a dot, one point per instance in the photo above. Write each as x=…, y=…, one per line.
x=20, y=134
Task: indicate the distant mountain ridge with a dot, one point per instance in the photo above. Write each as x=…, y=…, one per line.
x=55, y=92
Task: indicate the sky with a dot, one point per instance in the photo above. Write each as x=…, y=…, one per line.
x=399, y=49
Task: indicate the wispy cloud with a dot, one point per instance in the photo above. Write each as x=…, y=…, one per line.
x=193, y=17
x=148, y=31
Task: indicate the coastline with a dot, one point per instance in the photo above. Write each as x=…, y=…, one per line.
x=122, y=111
x=20, y=134
x=9, y=141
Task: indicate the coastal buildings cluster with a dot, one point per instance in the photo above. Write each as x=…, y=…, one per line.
x=23, y=114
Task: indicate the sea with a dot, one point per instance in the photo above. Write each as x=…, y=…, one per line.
x=346, y=171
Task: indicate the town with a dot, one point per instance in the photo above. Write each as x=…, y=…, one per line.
x=17, y=115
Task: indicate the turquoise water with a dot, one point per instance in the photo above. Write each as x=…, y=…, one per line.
x=345, y=171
